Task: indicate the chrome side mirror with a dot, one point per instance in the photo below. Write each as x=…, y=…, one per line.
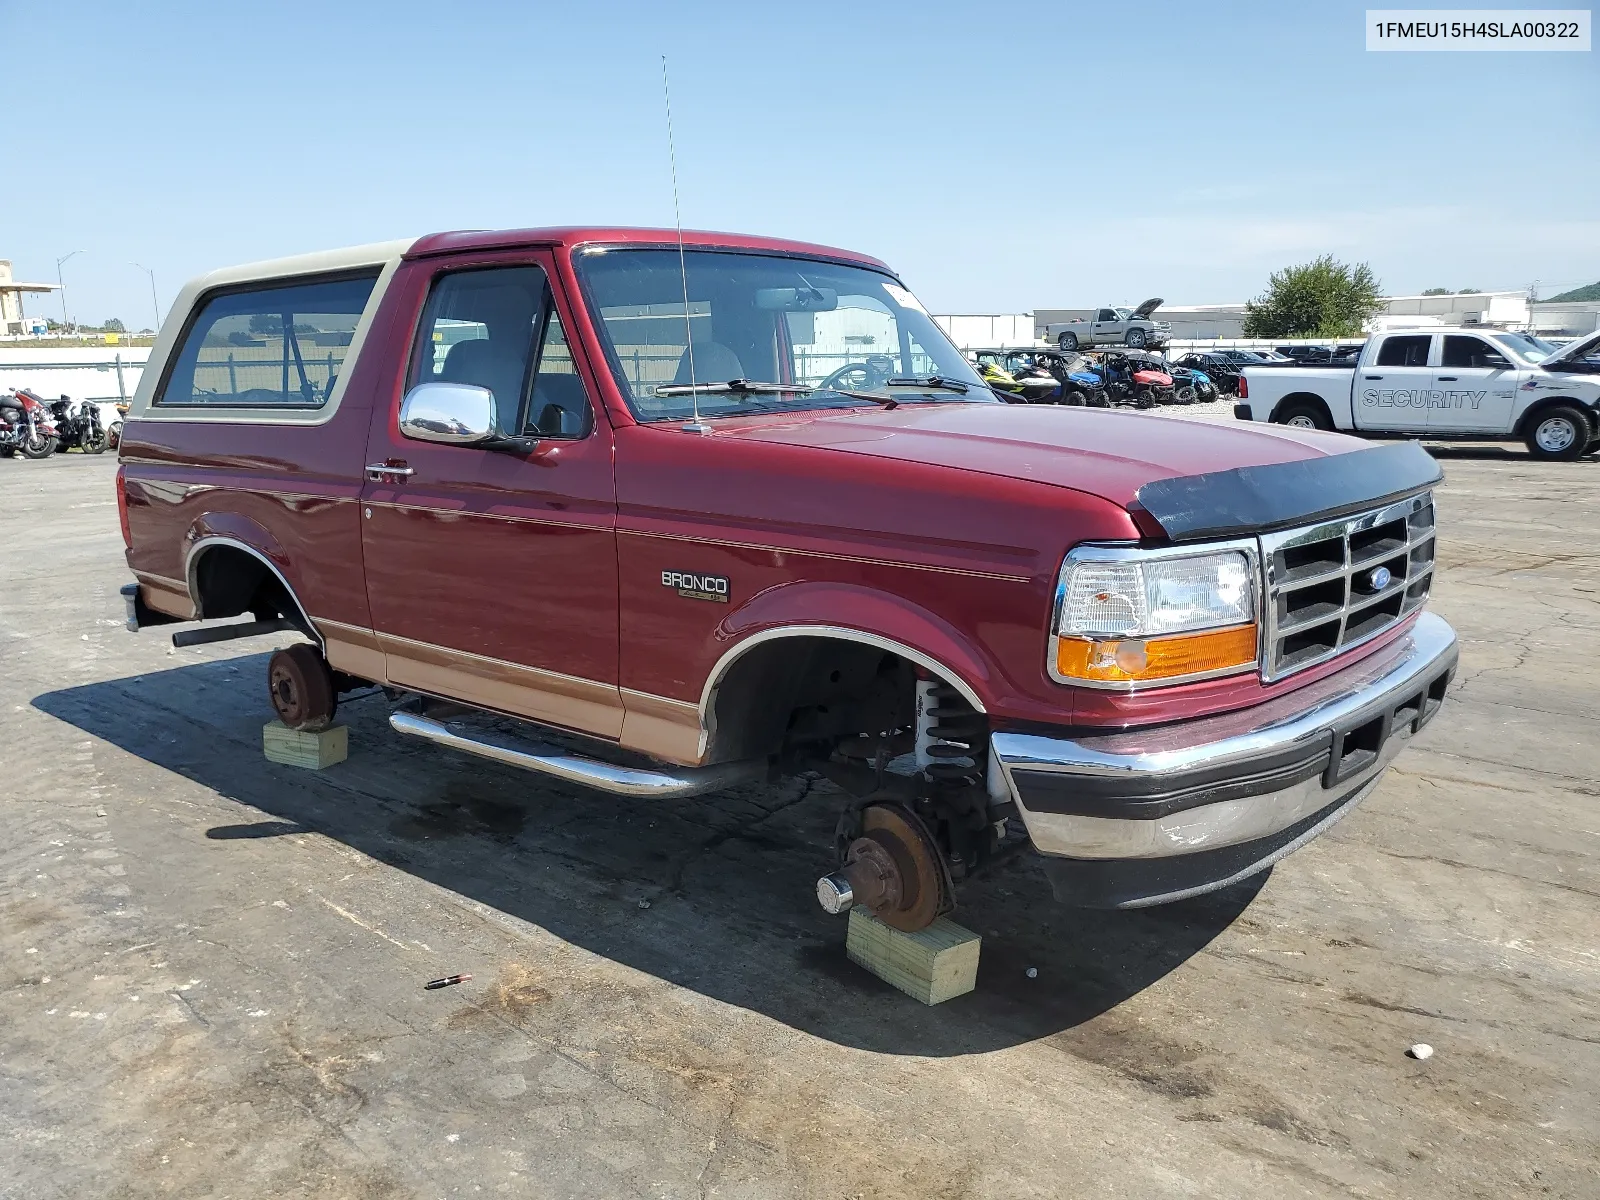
x=456, y=414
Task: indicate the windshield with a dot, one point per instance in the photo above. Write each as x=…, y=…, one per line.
x=1123, y=313
x=1527, y=347
x=805, y=322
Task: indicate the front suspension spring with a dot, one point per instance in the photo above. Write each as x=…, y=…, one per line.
x=952, y=737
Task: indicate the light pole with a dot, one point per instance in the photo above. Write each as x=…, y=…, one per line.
x=155, y=305
x=62, y=285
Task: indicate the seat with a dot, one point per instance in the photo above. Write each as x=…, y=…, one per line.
x=481, y=363
x=713, y=363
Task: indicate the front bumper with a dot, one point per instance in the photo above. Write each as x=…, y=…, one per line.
x=1146, y=816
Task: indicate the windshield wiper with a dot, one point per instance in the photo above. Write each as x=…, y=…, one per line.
x=751, y=387
x=936, y=382
x=734, y=387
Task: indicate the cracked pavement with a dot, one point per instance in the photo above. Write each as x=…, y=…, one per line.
x=211, y=966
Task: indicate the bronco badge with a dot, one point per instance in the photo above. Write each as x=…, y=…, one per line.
x=697, y=587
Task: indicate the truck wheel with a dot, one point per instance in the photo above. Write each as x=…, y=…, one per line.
x=1134, y=338
x=1559, y=434
x=1068, y=341
x=1304, y=416
x=301, y=688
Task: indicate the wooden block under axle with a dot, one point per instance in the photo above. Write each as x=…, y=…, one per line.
x=931, y=965
x=302, y=748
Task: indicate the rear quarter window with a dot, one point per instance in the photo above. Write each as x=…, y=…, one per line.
x=275, y=345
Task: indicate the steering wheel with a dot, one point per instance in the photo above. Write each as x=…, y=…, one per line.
x=857, y=377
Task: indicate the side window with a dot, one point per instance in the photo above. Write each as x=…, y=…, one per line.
x=280, y=345
x=1471, y=352
x=1409, y=351
x=1105, y=314
x=496, y=328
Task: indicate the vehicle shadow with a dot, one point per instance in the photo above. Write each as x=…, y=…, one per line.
x=1494, y=452
x=714, y=894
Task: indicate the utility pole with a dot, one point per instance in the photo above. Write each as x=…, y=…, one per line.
x=155, y=305
x=62, y=286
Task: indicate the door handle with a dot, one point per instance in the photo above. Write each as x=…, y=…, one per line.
x=1374, y=376
x=1447, y=379
x=399, y=469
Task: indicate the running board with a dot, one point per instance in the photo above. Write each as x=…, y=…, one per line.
x=667, y=783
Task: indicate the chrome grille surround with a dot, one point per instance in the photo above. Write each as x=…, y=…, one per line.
x=1320, y=596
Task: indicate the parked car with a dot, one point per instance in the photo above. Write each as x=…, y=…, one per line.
x=569, y=537
x=1337, y=355
x=1112, y=326
x=1486, y=385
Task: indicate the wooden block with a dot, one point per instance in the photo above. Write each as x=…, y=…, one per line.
x=931, y=965
x=302, y=748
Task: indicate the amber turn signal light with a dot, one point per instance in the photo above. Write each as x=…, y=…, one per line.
x=1148, y=660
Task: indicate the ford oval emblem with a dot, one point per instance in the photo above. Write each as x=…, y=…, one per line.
x=1379, y=579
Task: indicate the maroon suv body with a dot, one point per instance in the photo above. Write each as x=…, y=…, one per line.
x=739, y=507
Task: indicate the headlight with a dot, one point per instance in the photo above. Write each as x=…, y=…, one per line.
x=1127, y=618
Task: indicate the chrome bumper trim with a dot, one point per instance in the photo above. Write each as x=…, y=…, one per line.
x=1230, y=744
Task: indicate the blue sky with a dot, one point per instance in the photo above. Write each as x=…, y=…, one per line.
x=1001, y=156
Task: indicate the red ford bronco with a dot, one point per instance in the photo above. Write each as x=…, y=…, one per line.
x=658, y=517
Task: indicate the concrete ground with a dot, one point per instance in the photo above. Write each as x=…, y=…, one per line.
x=211, y=967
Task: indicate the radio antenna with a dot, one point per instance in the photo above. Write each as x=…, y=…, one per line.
x=696, y=425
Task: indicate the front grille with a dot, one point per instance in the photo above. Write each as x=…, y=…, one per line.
x=1322, y=596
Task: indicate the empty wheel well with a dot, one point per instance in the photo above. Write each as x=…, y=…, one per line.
x=228, y=581
x=800, y=691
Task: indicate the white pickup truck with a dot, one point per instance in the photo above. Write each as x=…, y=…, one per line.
x=1478, y=385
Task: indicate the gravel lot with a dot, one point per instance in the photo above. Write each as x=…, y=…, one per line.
x=211, y=967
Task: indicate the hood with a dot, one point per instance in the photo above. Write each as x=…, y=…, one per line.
x=1095, y=451
x=1148, y=307
x=1573, y=352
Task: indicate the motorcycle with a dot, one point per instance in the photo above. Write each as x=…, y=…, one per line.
x=78, y=424
x=26, y=424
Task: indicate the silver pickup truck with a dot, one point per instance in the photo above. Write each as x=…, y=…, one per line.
x=1112, y=326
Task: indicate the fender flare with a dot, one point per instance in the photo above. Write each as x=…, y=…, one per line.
x=1526, y=420
x=854, y=614
x=203, y=540
x=1302, y=396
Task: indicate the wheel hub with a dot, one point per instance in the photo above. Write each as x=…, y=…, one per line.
x=1555, y=435
x=893, y=870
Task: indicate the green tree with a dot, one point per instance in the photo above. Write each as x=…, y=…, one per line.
x=1590, y=291
x=1468, y=292
x=114, y=325
x=1321, y=298
x=1435, y=291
